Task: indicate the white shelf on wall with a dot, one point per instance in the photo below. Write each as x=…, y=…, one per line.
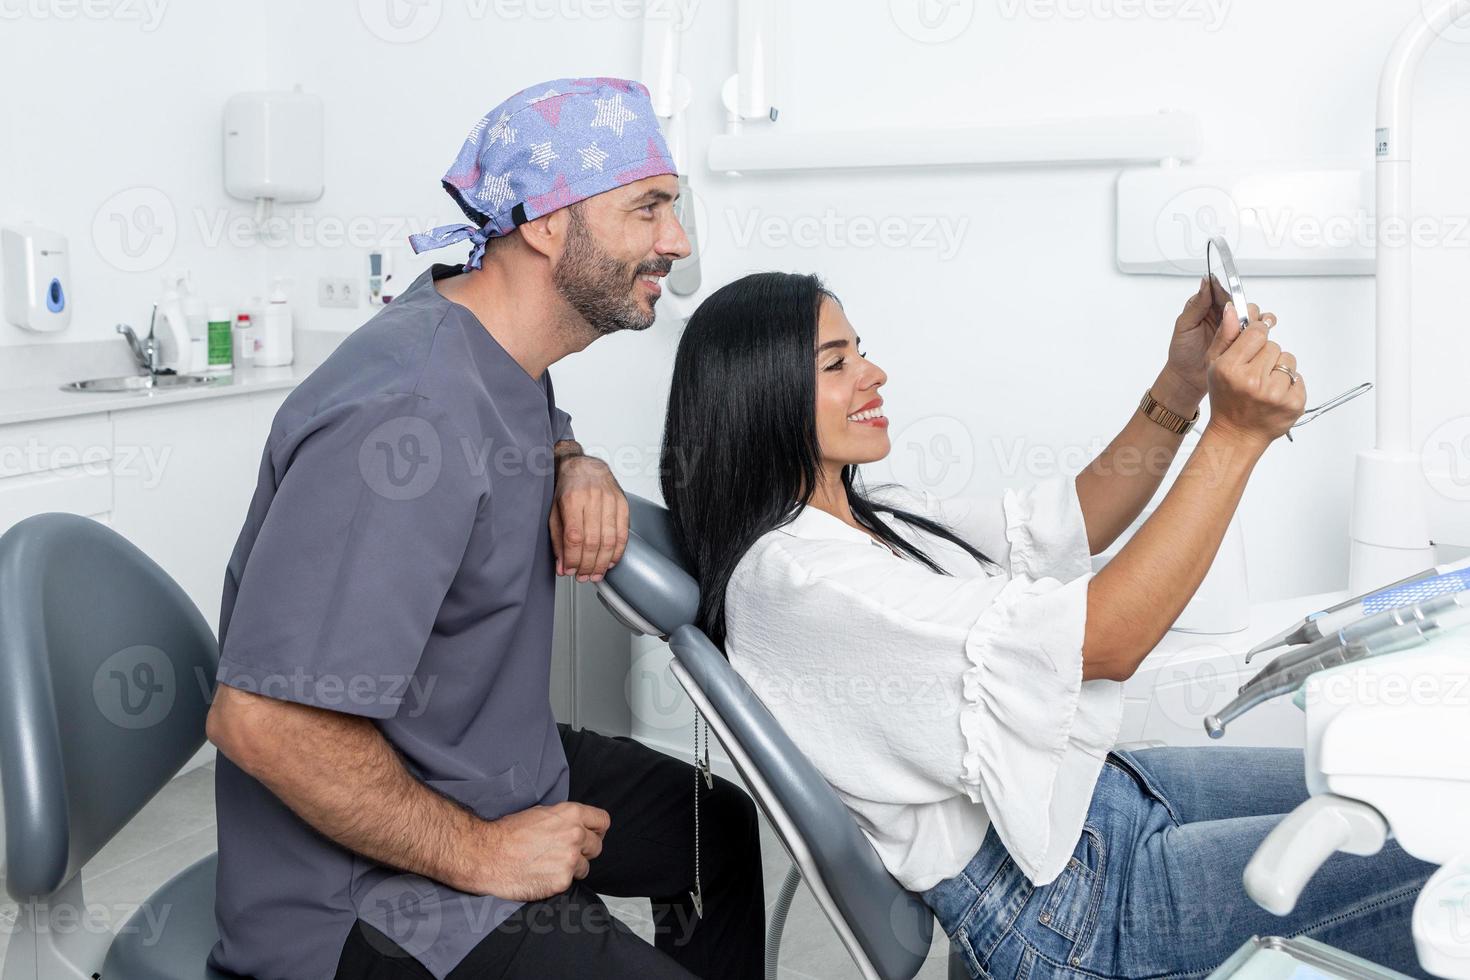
x=1170, y=135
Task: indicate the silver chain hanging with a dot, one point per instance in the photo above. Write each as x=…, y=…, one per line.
x=701, y=773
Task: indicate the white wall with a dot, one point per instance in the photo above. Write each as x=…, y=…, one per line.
x=110, y=134
x=1025, y=336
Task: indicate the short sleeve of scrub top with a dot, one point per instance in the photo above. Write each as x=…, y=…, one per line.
x=373, y=509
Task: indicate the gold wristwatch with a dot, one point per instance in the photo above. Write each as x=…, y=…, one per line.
x=1172, y=421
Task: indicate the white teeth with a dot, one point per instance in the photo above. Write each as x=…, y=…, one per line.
x=869, y=415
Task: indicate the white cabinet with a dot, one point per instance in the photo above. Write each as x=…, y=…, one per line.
x=55, y=465
x=183, y=476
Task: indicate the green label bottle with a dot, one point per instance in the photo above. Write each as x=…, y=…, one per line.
x=221, y=341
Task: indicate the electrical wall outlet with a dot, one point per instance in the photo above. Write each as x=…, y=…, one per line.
x=336, y=292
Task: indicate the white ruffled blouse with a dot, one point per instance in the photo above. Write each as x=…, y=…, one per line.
x=936, y=705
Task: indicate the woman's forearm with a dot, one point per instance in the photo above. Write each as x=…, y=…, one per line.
x=1137, y=596
x=1119, y=483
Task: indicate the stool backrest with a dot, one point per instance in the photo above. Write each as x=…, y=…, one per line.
x=106, y=672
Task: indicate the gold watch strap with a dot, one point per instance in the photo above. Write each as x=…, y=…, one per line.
x=1172, y=421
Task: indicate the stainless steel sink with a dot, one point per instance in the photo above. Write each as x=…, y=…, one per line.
x=140, y=382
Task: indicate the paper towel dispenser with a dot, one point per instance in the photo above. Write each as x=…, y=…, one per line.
x=273, y=146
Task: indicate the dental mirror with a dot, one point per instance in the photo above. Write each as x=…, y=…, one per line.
x=1226, y=287
x=1225, y=284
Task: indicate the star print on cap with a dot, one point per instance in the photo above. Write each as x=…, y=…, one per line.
x=546, y=147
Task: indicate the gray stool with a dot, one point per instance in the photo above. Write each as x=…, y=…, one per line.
x=105, y=666
x=886, y=929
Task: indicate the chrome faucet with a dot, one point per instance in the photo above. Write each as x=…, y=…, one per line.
x=145, y=351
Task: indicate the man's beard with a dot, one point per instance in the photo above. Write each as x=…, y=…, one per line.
x=599, y=287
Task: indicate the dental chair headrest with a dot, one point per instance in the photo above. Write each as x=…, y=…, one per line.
x=649, y=590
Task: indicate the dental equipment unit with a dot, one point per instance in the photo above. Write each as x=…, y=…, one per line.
x=1385, y=632
x=1387, y=704
x=1439, y=580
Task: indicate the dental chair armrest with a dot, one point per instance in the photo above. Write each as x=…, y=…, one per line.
x=1303, y=840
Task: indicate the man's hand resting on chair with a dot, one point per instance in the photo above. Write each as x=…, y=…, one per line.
x=589, y=515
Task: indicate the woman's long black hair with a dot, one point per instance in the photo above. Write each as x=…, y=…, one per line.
x=740, y=453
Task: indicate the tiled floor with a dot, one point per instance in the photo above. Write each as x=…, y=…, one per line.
x=177, y=828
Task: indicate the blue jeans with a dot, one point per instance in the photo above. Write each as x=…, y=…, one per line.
x=1154, y=889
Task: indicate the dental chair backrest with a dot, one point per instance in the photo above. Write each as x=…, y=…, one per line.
x=105, y=672
x=886, y=928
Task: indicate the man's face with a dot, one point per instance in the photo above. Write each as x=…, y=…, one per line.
x=619, y=246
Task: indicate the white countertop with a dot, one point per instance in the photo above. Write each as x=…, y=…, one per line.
x=51, y=401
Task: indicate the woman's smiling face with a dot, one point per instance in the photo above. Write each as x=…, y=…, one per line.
x=851, y=426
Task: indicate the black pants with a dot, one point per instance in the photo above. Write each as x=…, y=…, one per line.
x=648, y=852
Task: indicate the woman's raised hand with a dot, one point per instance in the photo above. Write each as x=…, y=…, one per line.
x=1255, y=392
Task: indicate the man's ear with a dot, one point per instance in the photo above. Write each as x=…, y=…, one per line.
x=546, y=233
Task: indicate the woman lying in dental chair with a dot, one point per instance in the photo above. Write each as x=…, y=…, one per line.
x=954, y=668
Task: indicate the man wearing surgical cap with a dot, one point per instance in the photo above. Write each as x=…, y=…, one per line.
x=394, y=796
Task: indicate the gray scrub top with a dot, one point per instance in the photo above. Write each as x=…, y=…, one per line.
x=395, y=564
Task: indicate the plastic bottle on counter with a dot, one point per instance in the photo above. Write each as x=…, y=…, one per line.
x=172, y=329
x=244, y=340
x=274, y=349
x=221, y=342
x=196, y=316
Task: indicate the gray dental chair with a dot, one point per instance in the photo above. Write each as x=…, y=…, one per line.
x=886, y=929
x=105, y=669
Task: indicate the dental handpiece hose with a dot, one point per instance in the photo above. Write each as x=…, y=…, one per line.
x=1369, y=627
x=1439, y=580
x=1388, y=632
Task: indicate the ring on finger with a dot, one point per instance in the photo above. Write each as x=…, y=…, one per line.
x=1289, y=373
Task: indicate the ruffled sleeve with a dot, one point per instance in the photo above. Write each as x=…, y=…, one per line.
x=1037, y=531
x=1035, y=733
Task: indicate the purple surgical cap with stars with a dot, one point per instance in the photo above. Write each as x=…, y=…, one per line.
x=546, y=147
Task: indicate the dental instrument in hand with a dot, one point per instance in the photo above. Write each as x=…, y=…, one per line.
x=1439, y=580
x=1226, y=287
x=1315, y=413
x=1289, y=672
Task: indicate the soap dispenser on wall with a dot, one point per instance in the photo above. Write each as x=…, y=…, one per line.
x=37, y=278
